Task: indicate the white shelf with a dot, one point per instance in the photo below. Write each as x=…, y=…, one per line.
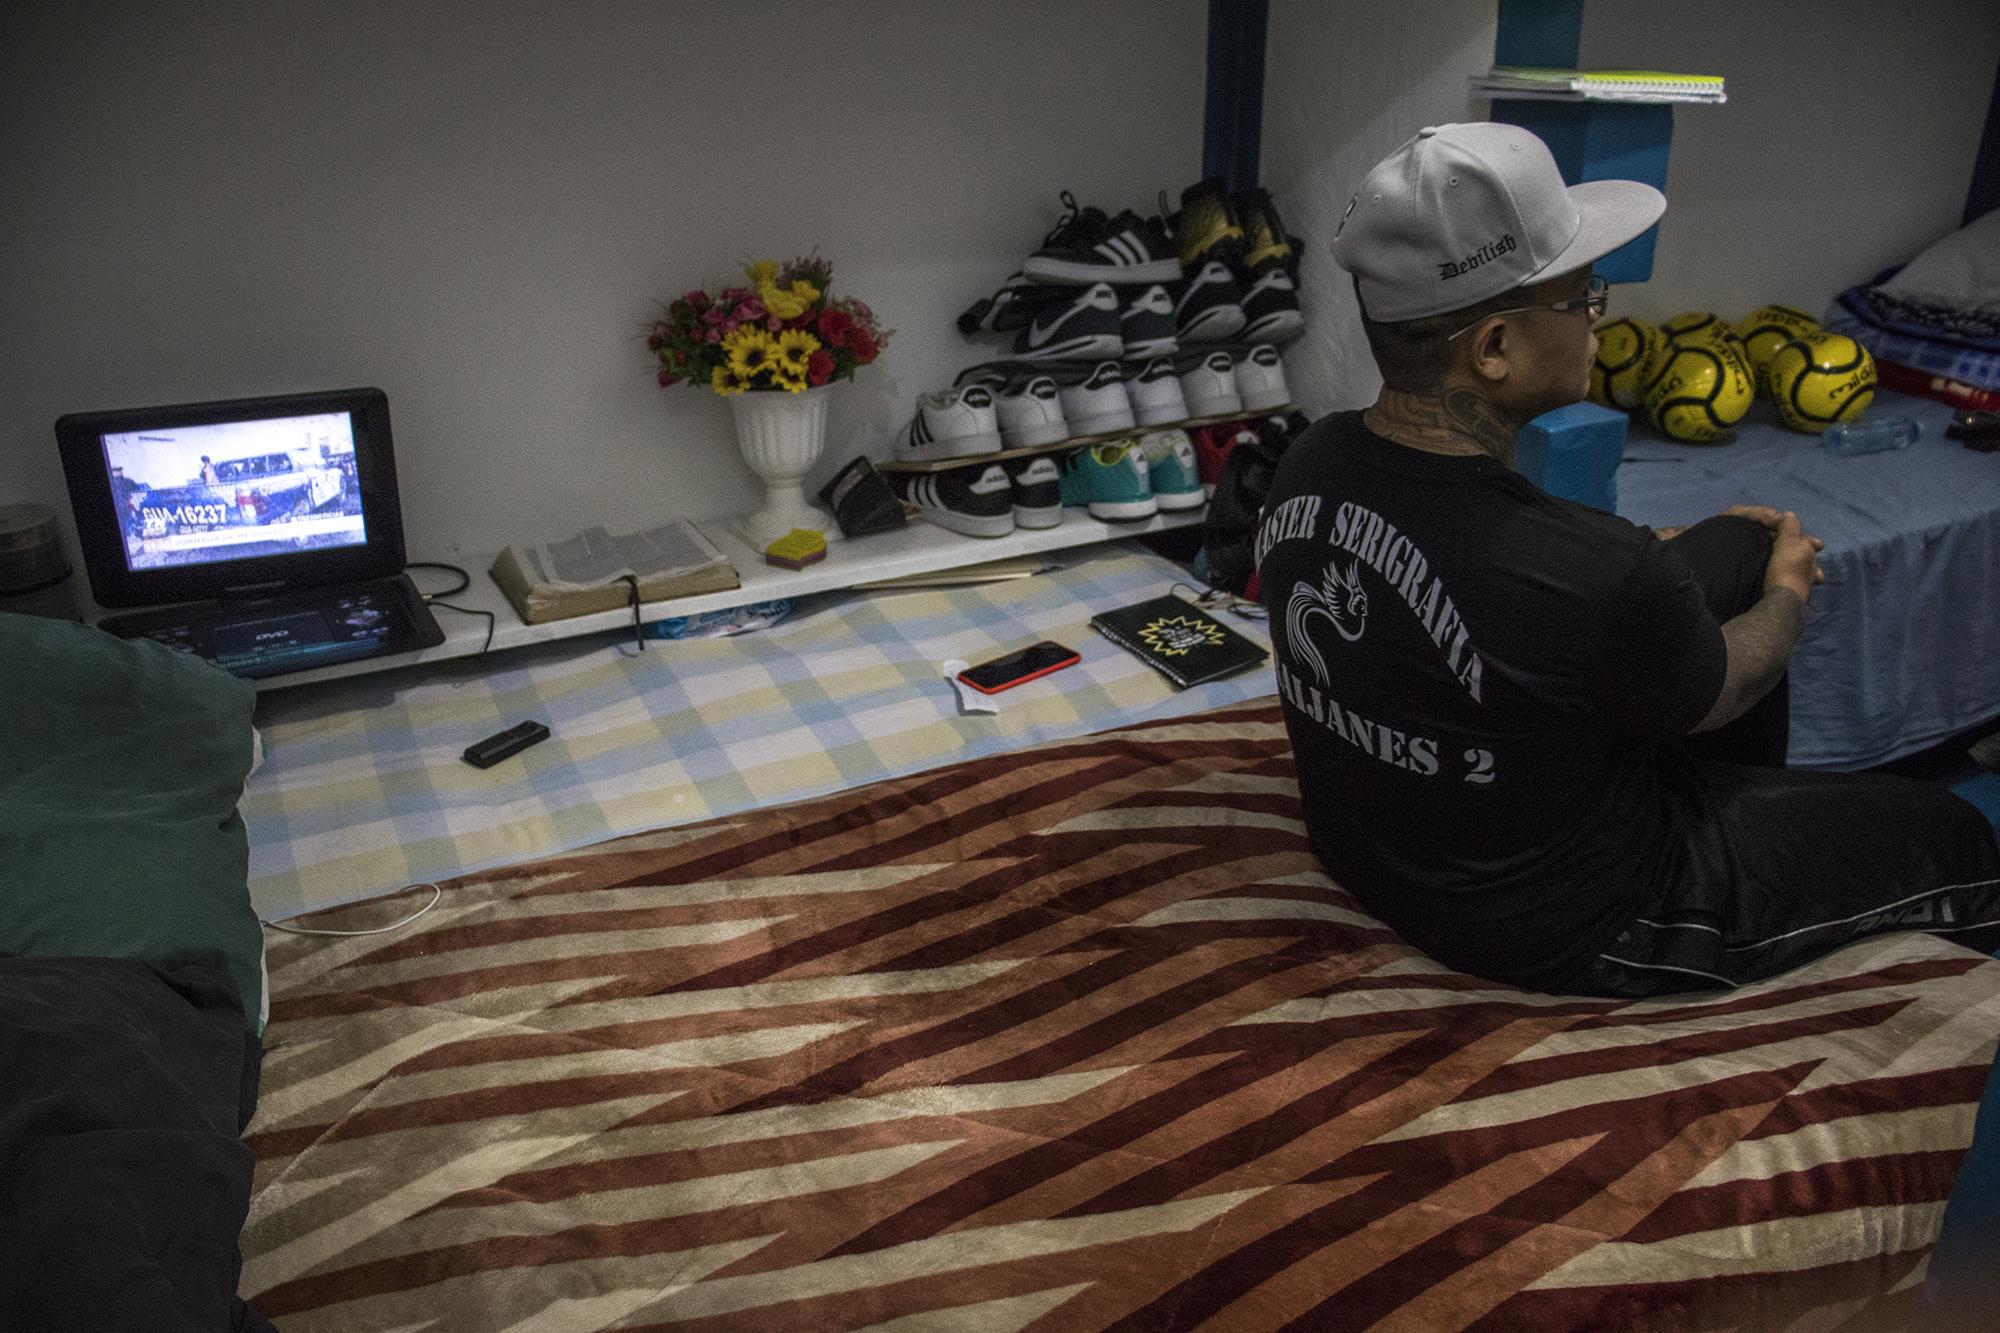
x=916, y=548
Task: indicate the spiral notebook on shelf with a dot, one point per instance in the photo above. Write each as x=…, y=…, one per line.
x=1179, y=640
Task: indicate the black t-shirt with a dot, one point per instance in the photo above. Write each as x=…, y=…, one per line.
x=1485, y=687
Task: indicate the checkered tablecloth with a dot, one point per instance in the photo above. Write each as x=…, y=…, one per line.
x=363, y=790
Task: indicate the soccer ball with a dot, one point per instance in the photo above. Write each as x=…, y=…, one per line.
x=1819, y=379
x=1691, y=322
x=1629, y=352
x=1700, y=326
x=1767, y=328
x=1703, y=389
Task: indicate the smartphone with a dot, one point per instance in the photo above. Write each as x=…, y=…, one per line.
x=1004, y=673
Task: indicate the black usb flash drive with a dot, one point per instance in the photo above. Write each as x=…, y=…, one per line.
x=512, y=741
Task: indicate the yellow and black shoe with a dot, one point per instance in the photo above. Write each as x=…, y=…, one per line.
x=1206, y=228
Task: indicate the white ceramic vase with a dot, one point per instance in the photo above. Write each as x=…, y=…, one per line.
x=781, y=435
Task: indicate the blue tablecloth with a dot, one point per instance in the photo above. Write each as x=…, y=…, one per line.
x=1902, y=643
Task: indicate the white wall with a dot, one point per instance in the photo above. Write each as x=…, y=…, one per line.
x=1847, y=143
x=478, y=204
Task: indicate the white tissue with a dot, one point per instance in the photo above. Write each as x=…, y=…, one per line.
x=969, y=699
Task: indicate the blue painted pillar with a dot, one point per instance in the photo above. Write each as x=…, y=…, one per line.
x=1233, y=123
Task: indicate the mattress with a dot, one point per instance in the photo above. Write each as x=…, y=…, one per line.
x=1076, y=1036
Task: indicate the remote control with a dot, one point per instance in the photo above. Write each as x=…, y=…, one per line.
x=501, y=745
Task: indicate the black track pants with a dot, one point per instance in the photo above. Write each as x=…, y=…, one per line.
x=1781, y=867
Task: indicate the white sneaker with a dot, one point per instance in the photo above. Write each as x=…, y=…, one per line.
x=1031, y=412
x=1260, y=379
x=1097, y=404
x=1155, y=392
x=959, y=422
x=1209, y=385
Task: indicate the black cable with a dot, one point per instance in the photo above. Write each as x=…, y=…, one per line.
x=471, y=611
x=631, y=582
x=464, y=579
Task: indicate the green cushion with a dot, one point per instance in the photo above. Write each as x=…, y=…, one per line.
x=120, y=767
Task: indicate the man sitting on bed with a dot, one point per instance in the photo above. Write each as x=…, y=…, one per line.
x=1546, y=745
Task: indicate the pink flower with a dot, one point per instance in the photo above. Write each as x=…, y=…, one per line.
x=696, y=298
x=773, y=323
x=747, y=312
x=714, y=315
x=713, y=335
x=666, y=378
x=735, y=295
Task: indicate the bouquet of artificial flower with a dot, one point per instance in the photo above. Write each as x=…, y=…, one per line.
x=783, y=331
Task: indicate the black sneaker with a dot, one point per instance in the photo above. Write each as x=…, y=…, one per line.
x=1082, y=327
x=1147, y=324
x=1206, y=228
x=1088, y=247
x=1037, y=484
x=1010, y=308
x=1271, y=308
x=1210, y=309
x=977, y=501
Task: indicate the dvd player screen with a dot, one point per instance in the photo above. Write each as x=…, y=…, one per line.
x=235, y=490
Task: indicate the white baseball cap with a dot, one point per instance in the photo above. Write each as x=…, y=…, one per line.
x=1464, y=212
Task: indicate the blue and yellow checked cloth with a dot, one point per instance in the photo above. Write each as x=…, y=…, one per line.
x=363, y=791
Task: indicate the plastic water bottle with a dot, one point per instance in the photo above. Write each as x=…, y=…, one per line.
x=1870, y=435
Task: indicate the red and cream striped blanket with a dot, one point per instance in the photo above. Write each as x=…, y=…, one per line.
x=1078, y=1037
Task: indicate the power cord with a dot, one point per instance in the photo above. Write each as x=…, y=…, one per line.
x=464, y=582
x=436, y=894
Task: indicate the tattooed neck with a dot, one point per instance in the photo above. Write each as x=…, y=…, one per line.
x=1458, y=422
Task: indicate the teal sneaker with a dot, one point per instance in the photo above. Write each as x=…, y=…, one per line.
x=1170, y=470
x=1110, y=481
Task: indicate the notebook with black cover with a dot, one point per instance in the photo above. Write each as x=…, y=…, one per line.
x=1179, y=640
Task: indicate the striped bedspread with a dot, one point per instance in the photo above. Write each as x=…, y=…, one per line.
x=1076, y=1037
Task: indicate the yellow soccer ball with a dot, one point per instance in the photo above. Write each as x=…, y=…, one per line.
x=1702, y=390
x=1819, y=379
x=1767, y=328
x=1629, y=352
x=1700, y=326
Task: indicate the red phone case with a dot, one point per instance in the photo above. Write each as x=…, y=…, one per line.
x=1012, y=681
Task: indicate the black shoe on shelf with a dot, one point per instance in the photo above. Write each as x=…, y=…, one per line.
x=1271, y=308
x=977, y=500
x=1147, y=323
x=1210, y=308
x=1083, y=325
x=1088, y=247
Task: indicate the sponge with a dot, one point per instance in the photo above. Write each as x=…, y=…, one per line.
x=796, y=549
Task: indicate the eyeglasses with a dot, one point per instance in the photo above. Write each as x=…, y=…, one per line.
x=1595, y=300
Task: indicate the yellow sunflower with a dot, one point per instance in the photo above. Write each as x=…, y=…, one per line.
x=795, y=348
x=750, y=351
x=788, y=304
x=726, y=381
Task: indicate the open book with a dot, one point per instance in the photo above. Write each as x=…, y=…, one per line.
x=589, y=572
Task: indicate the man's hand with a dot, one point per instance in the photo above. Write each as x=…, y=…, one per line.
x=1794, y=563
x=1764, y=514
